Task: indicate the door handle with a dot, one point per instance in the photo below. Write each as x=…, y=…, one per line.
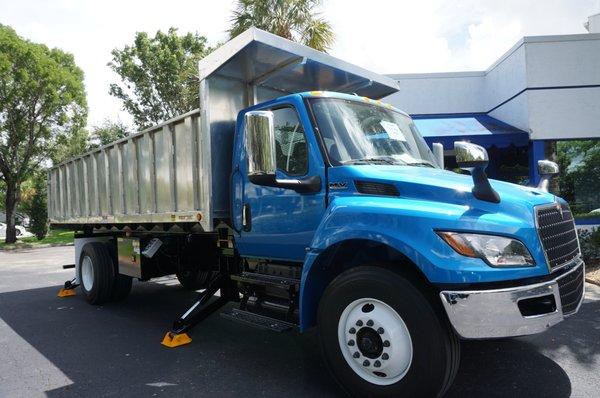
x=246, y=217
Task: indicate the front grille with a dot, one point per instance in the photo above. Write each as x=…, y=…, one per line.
x=570, y=288
x=557, y=233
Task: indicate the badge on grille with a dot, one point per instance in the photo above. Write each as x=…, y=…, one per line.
x=560, y=211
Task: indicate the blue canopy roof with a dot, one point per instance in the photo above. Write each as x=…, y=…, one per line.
x=477, y=128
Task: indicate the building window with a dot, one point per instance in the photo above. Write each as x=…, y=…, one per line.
x=579, y=178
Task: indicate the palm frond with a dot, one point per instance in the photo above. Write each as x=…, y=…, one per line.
x=318, y=34
x=291, y=19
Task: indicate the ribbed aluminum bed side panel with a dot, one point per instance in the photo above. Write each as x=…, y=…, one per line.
x=150, y=177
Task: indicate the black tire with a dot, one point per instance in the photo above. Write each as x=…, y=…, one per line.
x=122, y=287
x=103, y=272
x=122, y=283
x=436, y=349
x=194, y=279
x=17, y=232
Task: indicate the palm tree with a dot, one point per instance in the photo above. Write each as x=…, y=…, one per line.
x=295, y=20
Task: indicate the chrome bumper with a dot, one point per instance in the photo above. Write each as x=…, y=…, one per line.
x=481, y=314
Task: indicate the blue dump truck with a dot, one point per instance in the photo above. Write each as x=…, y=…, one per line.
x=296, y=193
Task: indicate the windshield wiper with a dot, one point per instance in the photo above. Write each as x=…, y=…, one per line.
x=386, y=160
x=421, y=164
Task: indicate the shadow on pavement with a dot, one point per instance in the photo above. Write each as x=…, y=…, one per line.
x=115, y=350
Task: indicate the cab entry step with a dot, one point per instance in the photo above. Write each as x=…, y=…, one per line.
x=258, y=321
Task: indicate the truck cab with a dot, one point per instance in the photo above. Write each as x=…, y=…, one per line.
x=297, y=193
x=340, y=183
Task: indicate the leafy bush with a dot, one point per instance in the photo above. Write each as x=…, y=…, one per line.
x=590, y=245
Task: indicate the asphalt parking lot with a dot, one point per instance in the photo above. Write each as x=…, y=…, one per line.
x=66, y=348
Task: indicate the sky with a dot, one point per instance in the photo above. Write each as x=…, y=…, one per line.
x=386, y=36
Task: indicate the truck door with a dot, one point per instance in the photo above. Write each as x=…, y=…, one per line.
x=275, y=222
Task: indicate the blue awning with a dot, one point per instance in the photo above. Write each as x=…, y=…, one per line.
x=479, y=129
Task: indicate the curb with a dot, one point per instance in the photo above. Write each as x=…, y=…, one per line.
x=40, y=246
x=593, y=282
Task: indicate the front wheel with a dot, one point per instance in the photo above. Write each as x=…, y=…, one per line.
x=381, y=336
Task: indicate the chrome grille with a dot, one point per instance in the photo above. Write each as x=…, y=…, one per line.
x=556, y=229
x=570, y=288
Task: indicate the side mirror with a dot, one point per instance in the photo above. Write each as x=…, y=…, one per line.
x=260, y=145
x=546, y=169
x=474, y=158
x=262, y=164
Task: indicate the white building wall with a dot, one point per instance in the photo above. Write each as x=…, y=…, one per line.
x=565, y=113
x=572, y=60
x=439, y=93
x=505, y=78
x=515, y=112
x=546, y=85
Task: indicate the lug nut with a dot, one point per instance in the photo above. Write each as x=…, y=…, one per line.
x=359, y=323
x=386, y=343
x=366, y=363
x=377, y=364
x=356, y=354
x=385, y=356
x=352, y=331
x=351, y=342
x=380, y=330
x=369, y=322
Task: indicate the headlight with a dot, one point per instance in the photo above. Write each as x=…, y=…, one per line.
x=497, y=251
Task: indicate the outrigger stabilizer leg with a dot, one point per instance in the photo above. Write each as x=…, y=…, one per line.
x=69, y=288
x=201, y=309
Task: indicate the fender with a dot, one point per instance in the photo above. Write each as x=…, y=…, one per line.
x=408, y=226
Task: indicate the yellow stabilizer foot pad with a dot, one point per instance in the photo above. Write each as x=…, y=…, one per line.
x=173, y=340
x=66, y=292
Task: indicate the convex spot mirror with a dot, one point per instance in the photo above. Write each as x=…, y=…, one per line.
x=469, y=156
x=474, y=158
x=546, y=169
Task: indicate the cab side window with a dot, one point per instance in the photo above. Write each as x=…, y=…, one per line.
x=290, y=142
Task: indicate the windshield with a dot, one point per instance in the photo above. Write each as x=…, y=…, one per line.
x=360, y=133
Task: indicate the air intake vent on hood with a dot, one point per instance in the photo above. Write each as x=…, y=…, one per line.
x=376, y=188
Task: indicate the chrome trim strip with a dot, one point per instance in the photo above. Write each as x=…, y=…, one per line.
x=481, y=314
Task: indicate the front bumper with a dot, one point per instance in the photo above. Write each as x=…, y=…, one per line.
x=482, y=314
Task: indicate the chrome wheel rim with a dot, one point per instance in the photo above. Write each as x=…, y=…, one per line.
x=375, y=341
x=87, y=273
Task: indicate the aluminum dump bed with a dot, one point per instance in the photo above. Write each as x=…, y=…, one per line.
x=151, y=177
x=178, y=171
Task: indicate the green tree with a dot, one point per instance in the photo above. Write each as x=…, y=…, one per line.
x=67, y=146
x=295, y=20
x=579, y=176
x=35, y=204
x=159, y=75
x=42, y=101
x=107, y=132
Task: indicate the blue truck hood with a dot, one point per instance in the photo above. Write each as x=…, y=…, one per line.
x=437, y=185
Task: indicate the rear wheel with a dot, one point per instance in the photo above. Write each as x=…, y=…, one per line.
x=96, y=273
x=381, y=336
